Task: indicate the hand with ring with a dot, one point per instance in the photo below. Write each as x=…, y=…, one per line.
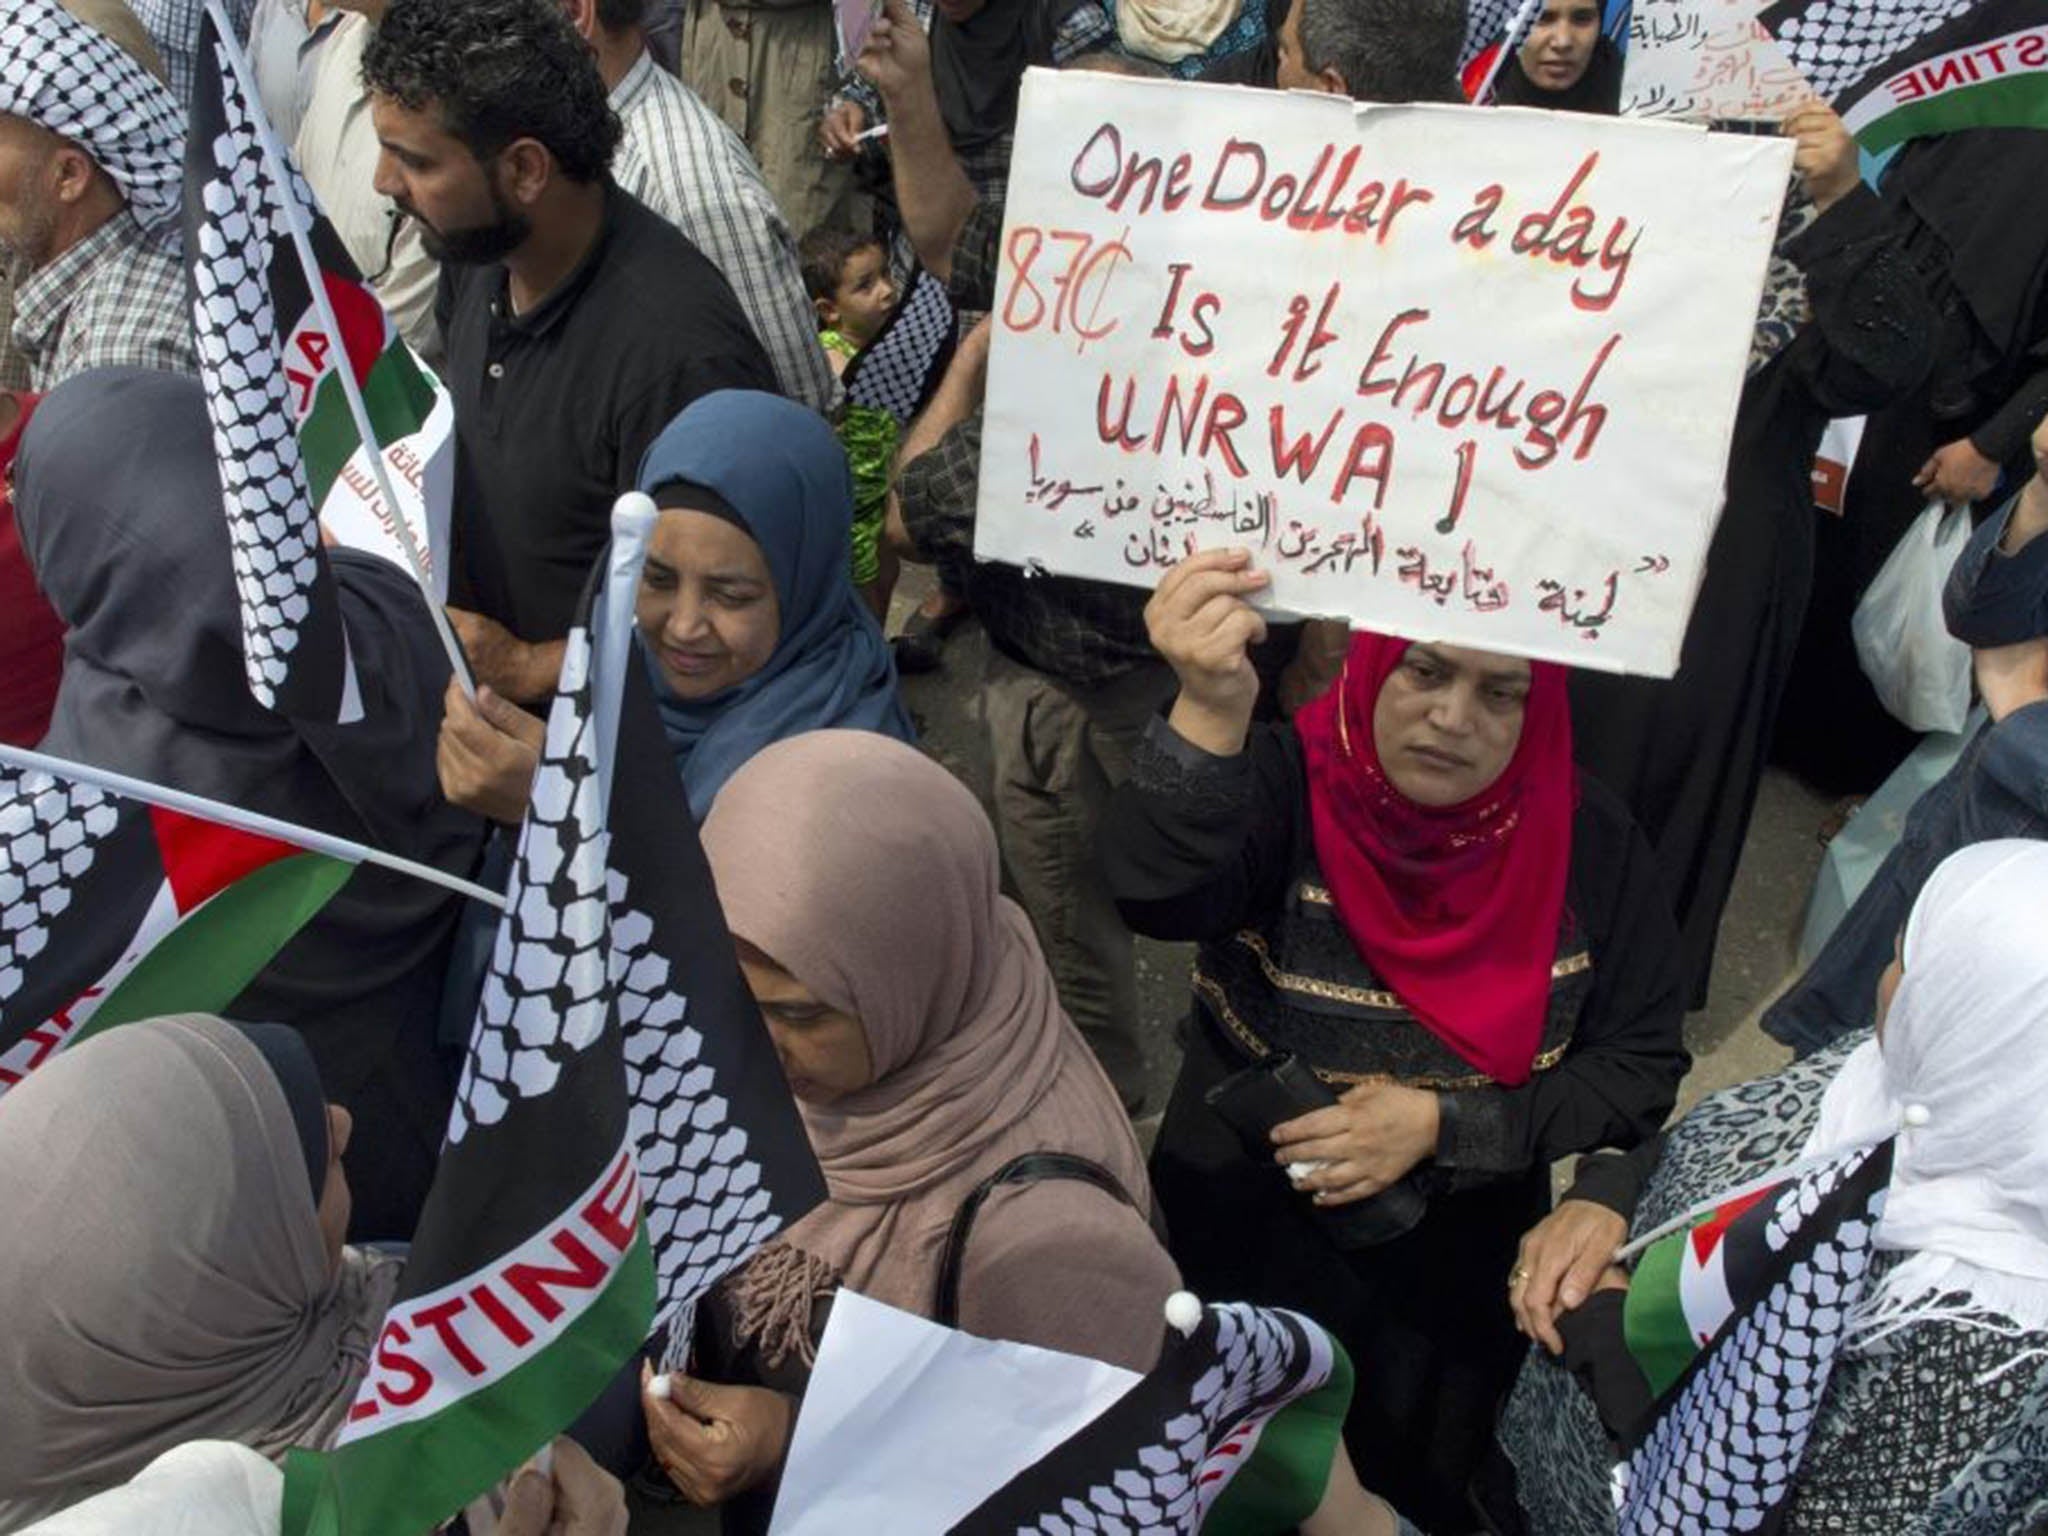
x=1563, y=1259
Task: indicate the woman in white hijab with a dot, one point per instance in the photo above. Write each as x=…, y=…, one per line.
x=1935, y=1416
x=1959, y=1067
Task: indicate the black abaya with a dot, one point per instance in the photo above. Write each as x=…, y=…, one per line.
x=1968, y=212
x=1687, y=755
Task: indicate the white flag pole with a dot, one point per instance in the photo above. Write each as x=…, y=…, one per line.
x=280, y=167
x=1517, y=30
x=633, y=517
x=244, y=821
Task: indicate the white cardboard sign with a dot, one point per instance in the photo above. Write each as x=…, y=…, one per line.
x=1457, y=373
x=1702, y=60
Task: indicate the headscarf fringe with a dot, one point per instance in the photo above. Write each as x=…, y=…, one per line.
x=773, y=1300
x=1933, y=1288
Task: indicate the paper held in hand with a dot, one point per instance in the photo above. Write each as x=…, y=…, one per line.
x=1703, y=60
x=1465, y=374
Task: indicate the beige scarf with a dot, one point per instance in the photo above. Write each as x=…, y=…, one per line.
x=870, y=874
x=1172, y=30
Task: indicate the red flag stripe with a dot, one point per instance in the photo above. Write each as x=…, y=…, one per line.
x=203, y=858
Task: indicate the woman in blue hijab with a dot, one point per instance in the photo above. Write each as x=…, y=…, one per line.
x=750, y=626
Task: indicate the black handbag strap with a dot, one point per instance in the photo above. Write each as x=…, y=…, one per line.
x=1030, y=1168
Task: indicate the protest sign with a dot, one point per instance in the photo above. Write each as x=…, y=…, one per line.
x=1702, y=60
x=420, y=469
x=1462, y=373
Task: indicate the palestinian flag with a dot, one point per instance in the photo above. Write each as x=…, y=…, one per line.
x=267, y=273
x=1908, y=69
x=1233, y=1433
x=1736, y=1321
x=622, y=1134
x=1488, y=24
x=114, y=909
x=899, y=369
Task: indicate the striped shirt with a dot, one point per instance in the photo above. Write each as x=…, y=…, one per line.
x=113, y=300
x=682, y=161
x=173, y=25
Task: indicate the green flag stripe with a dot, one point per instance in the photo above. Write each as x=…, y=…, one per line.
x=1289, y=1470
x=1653, y=1316
x=408, y=1479
x=203, y=964
x=2019, y=101
x=397, y=397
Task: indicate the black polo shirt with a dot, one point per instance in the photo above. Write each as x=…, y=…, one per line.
x=554, y=408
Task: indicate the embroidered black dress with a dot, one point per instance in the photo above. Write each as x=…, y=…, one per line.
x=1219, y=850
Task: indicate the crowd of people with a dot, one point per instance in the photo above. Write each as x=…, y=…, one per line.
x=1449, y=908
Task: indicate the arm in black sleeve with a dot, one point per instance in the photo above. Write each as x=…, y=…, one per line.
x=1616, y=1179
x=642, y=418
x=1872, y=337
x=1195, y=845
x=1620, y=1073
x=2003, y=439
x=2015, y=759
x=1596, y=1353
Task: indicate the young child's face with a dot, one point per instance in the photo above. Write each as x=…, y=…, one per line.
x=864, y=296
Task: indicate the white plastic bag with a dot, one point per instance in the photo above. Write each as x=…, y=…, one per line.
x=1920, y=671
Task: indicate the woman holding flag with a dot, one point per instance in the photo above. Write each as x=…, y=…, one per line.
x=118, y=502
x=1933, y=1316
x=182, y=1277
x=748, y=623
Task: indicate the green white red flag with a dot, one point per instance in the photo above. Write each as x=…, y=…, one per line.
x=122, y=901
x=1736, y=1318
x=1908, y=69
x=622, y=1134
x=301, y=365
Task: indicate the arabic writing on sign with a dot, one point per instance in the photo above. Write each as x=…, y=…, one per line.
x=1704, y=60
x=1164, y=525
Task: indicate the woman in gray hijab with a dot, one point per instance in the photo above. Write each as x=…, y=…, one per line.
x=172, y=1266
x=117, y=498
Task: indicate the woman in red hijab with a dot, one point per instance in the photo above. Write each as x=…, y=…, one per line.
x=1463, y=947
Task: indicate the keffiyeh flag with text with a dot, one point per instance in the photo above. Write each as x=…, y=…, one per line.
x=278, y=378
x=622, y=1135
x=1906, y=69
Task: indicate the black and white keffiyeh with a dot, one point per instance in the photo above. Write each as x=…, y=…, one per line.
x=1723, y=1449
x=612, y=942
x=1840, y=44
x=1156, y=1461
x=78, y=83
x=899, y=369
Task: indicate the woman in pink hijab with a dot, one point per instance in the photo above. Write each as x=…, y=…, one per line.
x=921, y=1033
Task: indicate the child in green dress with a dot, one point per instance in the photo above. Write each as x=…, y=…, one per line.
x=848, y=278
